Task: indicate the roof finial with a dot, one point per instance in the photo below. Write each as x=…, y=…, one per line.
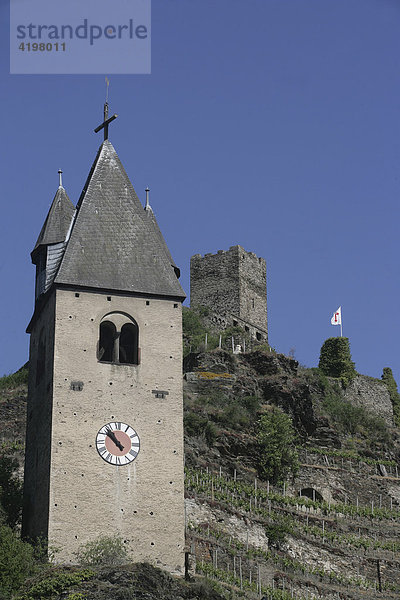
x=107, y=84
x=60, y=178
x=147, y=207
x=106, y=120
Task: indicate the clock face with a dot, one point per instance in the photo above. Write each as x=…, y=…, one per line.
x=117, y=443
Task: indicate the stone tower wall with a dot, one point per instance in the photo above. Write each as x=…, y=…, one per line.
x=214, y=281
x=38, y=429
x=232, y=284
x=143, y=502
x=253, y=289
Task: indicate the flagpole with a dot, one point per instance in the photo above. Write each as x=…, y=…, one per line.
x=341, y=321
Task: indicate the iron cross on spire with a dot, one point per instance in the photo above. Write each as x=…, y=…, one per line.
x=106, y=122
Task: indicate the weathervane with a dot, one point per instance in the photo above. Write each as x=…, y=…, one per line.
x=107, y=120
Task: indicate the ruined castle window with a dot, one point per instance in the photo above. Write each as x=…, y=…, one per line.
x=246, y=328
x=107, y=341
x=258, y=336
x=235, y=323
x=128, y=344
x=119, y=340
x=252, y=302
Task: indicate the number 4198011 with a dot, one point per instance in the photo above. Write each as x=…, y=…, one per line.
x=42, y=47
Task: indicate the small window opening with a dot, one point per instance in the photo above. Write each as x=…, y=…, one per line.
x=147, y=302
x=109, y=298
x=246, y=328
x=258, y=336
x=76, y=295
x=235, y=323
x=128, y=344
x=107, y=341
x=252, y=301
x=175, y=306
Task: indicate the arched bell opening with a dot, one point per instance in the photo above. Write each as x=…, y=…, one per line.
x=108, y=334
x=119, y=340
x=128, y=344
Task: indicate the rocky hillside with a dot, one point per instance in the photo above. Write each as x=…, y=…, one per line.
x=332, y=530
x=315, y=517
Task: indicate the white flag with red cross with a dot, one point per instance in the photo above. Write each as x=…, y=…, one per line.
x=337, y=317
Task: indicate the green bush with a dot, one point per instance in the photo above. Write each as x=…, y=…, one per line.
x=10, y=489
x=389, y=380
x=196, y=425
x=251, y=404
x=55, y=582
x=233, y=415
x=277, y=532
x=192, y=323
x=277, y=454
x=194, y=331
x=16, y=561
x=352, y=419
x=15, y=379
x=104, y=551
x=335, y=359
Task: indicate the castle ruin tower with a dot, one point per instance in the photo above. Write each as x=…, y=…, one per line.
x=233, y=285
x=104, y=446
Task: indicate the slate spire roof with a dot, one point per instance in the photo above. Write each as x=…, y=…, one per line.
x=114, y=243
x=58, y=220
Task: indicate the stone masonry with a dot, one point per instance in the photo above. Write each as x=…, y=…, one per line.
x=75, y=495
x=233, y=285
x=372, y=394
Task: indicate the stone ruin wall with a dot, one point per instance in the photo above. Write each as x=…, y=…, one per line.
x=253, y=289
x=232, y=284
x=373, y=395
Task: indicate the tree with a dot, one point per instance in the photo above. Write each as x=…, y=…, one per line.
x=389, y=380
x=277, y=454
x=335, y=359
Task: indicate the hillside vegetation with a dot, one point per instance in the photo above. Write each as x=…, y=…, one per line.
x=292, y=484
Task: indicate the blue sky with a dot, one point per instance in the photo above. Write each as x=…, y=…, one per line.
x=273, y=124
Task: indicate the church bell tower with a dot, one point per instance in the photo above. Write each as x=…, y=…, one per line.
x=104, y=446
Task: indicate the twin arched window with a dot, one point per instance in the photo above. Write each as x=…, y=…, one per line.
x=119, y=340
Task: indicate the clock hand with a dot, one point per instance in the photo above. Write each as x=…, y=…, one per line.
x=112, y=435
